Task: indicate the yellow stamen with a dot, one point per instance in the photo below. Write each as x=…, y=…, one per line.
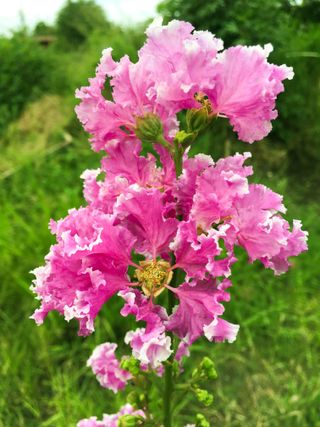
x=204, y=101
x=153, y=276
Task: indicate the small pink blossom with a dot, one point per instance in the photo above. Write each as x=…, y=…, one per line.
x=150, y=348
x=263, y=232
x=107, y=369
x=245, y=89
x=111, y=420
x=132, y=91
x=149, y=345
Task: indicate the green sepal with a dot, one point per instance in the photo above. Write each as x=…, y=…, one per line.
x=136, y=399
x=130, y=421
x=203, y=396
x=205, y=371
x=201, y=421
x=197, y=119
x=131, y=364
x=184, y=138
x=148, y=128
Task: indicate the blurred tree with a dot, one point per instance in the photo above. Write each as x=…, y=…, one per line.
x=235, y=21
x=77, y=20
x=26, y=71
x=43, y=29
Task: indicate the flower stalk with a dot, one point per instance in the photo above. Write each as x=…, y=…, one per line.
x=139, y=214
x=168, y=374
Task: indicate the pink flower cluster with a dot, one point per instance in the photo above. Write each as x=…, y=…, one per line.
x=175, y=64
x=143, y=227
x=98, y=243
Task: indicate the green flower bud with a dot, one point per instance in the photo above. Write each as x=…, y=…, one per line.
x=197, y=119
x=201, y=421
x=133, y=398
x=205, y=371
x=148, y=127
x=131, y=364
x=184, y=138
x=203, y=396
x=208, y=369
x=130, y=421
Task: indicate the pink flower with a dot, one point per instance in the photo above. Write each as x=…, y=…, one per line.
x=263, y=232
x=185, y=187
x=296, y=243
x=199, y=309
x=142, y=212
x=85, y=268
x=122, y=167
x=152, y=348
x=180, y=61
x=132, y=94
x=111, y=420
x=245, y=89
x=195, y=251
x=217, y=189
x=177, y=64
x=124, y=160
x=243, y=214
x=102, y=194
x=107, y=369
x=149, y=345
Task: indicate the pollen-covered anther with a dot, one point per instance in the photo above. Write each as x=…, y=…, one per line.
x=200, y=231
x=153, y=276
x=203, y=99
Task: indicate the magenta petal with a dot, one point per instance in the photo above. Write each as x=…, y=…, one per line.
x=193, y=252
x=85, y=268
x=150, y=345
x=217, y=189
x=142, y=212
x=199, y=306
x=263, y=232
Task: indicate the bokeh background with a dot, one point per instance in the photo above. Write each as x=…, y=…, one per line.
x=270, y=375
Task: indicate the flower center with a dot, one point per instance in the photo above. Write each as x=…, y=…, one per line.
x=204, y=101
x=153, y=276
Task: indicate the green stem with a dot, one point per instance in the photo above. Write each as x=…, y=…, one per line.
x=178, y=157
x=168, y=390
x=168, y=377
x=168, y=374
x=162, y=141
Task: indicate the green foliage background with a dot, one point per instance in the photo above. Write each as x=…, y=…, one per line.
x=269, y=376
